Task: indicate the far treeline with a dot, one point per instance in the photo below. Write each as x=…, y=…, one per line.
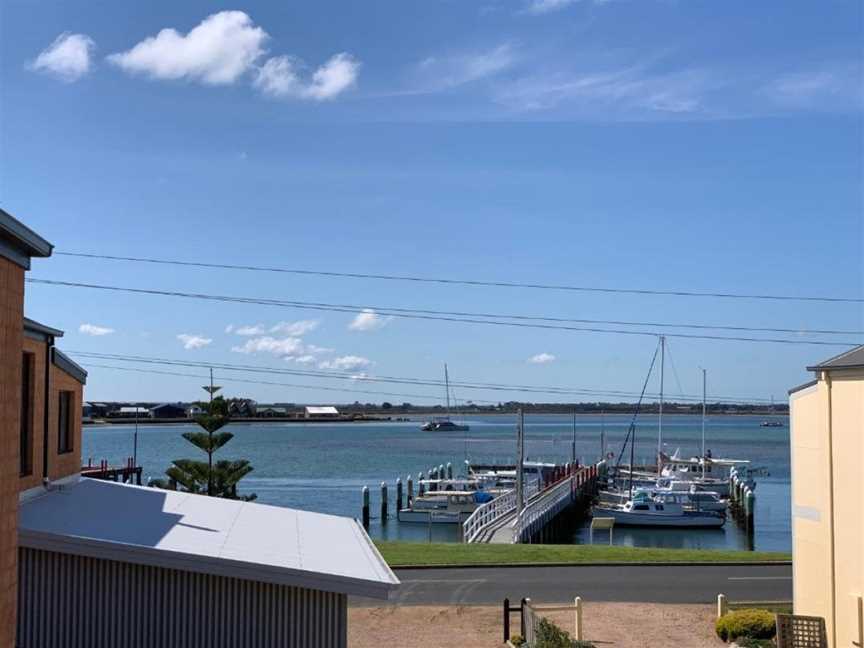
x=510, y=407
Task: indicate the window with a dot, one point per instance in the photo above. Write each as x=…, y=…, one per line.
x=65, y=421
x=26, y=432
x=640, y=507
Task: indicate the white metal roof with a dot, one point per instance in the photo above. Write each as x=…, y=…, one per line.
x=329, y=409
x=209, y=535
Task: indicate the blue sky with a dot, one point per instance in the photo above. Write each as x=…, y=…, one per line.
x=689, y=145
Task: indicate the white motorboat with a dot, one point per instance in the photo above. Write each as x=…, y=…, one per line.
x=659, y=511
x=443, y=507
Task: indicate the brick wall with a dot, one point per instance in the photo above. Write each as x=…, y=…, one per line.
x=68, y=463
x=37, y=348
x=59, y=465
x=11, y=339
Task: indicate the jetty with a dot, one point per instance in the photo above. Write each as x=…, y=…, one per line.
x=502, y=521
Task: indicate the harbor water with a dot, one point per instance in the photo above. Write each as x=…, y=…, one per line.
x=323, y=466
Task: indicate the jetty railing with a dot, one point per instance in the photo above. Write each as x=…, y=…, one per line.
x=550, y=502
x=486, y=514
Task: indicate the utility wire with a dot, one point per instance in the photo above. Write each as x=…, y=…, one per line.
x=445, y=316
x=227, y=378
x=463, y=282
x=382, y=379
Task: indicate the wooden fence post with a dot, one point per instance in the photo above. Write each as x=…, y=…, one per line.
x=577, y=604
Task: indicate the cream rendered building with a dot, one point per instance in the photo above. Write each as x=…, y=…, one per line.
x=827, y=441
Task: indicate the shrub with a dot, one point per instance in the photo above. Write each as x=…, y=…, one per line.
x=549, y=635
x=517, y=640
x=750, y=623
x=749, y=642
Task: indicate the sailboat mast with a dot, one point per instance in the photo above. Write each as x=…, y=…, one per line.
x=660, y=417
x=447, y=389
x=704, y=408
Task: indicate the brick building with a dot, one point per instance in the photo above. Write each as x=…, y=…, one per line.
x=91, y=564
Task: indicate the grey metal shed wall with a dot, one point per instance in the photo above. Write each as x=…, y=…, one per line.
x=71, y=601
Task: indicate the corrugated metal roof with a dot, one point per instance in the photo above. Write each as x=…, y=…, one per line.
x=321, y=410
x=852, y=359
x=68, y=365
x=207, y=535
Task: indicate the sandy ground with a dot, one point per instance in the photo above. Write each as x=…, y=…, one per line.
x=622, y=625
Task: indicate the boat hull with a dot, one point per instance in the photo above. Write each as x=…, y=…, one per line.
x=688, y=520
x=407, y=516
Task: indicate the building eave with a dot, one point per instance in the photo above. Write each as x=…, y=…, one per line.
x=19, y=243
x=65, y=363
x=37, y=331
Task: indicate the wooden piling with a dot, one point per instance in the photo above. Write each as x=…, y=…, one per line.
x=398, y=494
x=384, y=502
x=366, y=507
x=449, y=470
x=410, y=490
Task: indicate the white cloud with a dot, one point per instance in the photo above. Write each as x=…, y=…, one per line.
x=368, y=320
x=306, y=359
x=193, y=341
x=218, y=51
x=295, y=329
x=279, y=76
x=93, y=329
x=541, y=358
x=346, y=363
x=281, y=347
x=67, y=58
x=288, y=329
x=441, y=73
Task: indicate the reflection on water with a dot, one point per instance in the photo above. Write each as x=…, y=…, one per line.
x=323, y=467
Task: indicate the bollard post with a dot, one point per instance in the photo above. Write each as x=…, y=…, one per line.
x=722, y=605
x=449, y=470
x=420, y=487
x=506, y=619
x=441, y=473
x=431, y=475
x=398, y=494
x=577, y=604
x=383, y=502
x=366, y=507
x=410, y=491
x=749, y=507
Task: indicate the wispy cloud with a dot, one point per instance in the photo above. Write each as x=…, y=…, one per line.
x=437, y=73
x=227, y=46
x=369, y=320
x=541, y=358
x=288, y=348
x=627, y=89
x=68, y=58
x=548, y=6
x=193, y=341
x=93, y=329
x=346, y=363
x=834, y=85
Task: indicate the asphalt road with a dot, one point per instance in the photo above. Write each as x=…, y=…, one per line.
x=649, y=584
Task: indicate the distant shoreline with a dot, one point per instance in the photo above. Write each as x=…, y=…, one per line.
x=412, y=418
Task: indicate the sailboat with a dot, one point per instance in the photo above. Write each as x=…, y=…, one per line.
x=443, y=423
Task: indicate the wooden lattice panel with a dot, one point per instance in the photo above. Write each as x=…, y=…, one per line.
x=801, y=632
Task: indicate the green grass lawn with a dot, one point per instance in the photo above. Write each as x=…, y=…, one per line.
x=415, y=553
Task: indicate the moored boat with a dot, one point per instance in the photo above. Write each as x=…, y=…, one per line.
x=659, y=511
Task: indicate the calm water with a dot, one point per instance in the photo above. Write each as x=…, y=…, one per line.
x=323, y=467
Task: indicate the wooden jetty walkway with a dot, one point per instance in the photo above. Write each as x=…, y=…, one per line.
x=499, y=522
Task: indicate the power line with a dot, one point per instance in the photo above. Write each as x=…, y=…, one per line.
x=227, y=378
x=444, y=316
x=463, y=282
x=311, y=373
